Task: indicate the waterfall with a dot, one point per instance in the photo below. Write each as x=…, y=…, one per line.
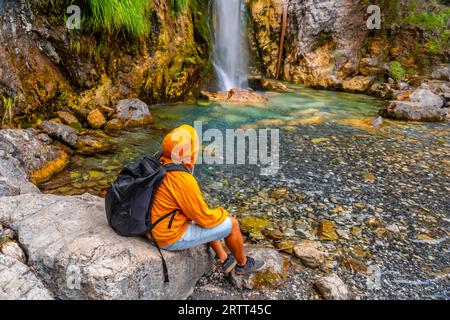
x=230, y=49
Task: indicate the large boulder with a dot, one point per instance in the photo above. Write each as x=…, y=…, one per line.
x=133, y=112
x=18, y=282
x=426, y=98
x=77, y=255
x=23, y=154
x=414, y=111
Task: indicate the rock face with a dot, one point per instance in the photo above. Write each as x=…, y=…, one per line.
x=77, y=256
x=328, y=44
x=133, y=112
x=272, y=276
x=331, y=287
x=18, y=282
x=40, y=61
x=38, y=160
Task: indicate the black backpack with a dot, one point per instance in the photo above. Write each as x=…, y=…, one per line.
x=130, y=198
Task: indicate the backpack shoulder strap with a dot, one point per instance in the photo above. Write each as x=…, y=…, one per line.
x=176, y=167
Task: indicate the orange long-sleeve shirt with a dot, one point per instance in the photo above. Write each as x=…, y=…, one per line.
x=180, y=190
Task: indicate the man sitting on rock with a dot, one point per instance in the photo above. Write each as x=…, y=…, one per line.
x=194, y=223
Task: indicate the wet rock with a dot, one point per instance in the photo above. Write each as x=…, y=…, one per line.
x=91, y=145
x=113, y=126
x=96, y=119
x=71, y=238
x=412, y=111
x=18, y=282
x=273, y=275
x=236, y=95
x=70, y=120
x=59, y=131
x=23, y=152
x=327, y=231
x=133, y=112
x=13, y=250
x=309, y=253
x=331, y=287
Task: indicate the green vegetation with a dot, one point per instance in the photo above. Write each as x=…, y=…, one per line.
x=116, y=16
x=8, y=104
x=397, y=70
x=112, y=17
x=430, y=21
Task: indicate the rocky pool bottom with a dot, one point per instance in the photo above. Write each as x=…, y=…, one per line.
x=373, y=200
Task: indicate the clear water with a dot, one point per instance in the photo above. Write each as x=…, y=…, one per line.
x=93, y=174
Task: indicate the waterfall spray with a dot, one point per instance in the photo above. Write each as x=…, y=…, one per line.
x=230, y=49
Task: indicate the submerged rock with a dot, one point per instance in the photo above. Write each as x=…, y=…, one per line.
x=331, y=287
x=91, y=145
x=78, y=256
x=18, y=282
x=253, y=226
x=327, y=230
x=133, y=112
x=273, y=275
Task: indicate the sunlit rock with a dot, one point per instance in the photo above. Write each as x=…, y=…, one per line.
x=331, y=287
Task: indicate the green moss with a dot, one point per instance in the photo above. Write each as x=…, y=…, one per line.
x=397, y=70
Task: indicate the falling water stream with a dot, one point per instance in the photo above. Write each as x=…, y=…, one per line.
x=230, y=51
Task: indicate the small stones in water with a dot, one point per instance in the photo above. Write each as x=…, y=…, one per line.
x=279, y=193
x=331, y=287
x=327, y=231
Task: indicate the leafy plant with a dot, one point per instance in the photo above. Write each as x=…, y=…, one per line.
x=8, y=104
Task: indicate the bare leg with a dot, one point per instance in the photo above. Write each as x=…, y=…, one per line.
x=219, y=250
x=235, y=243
